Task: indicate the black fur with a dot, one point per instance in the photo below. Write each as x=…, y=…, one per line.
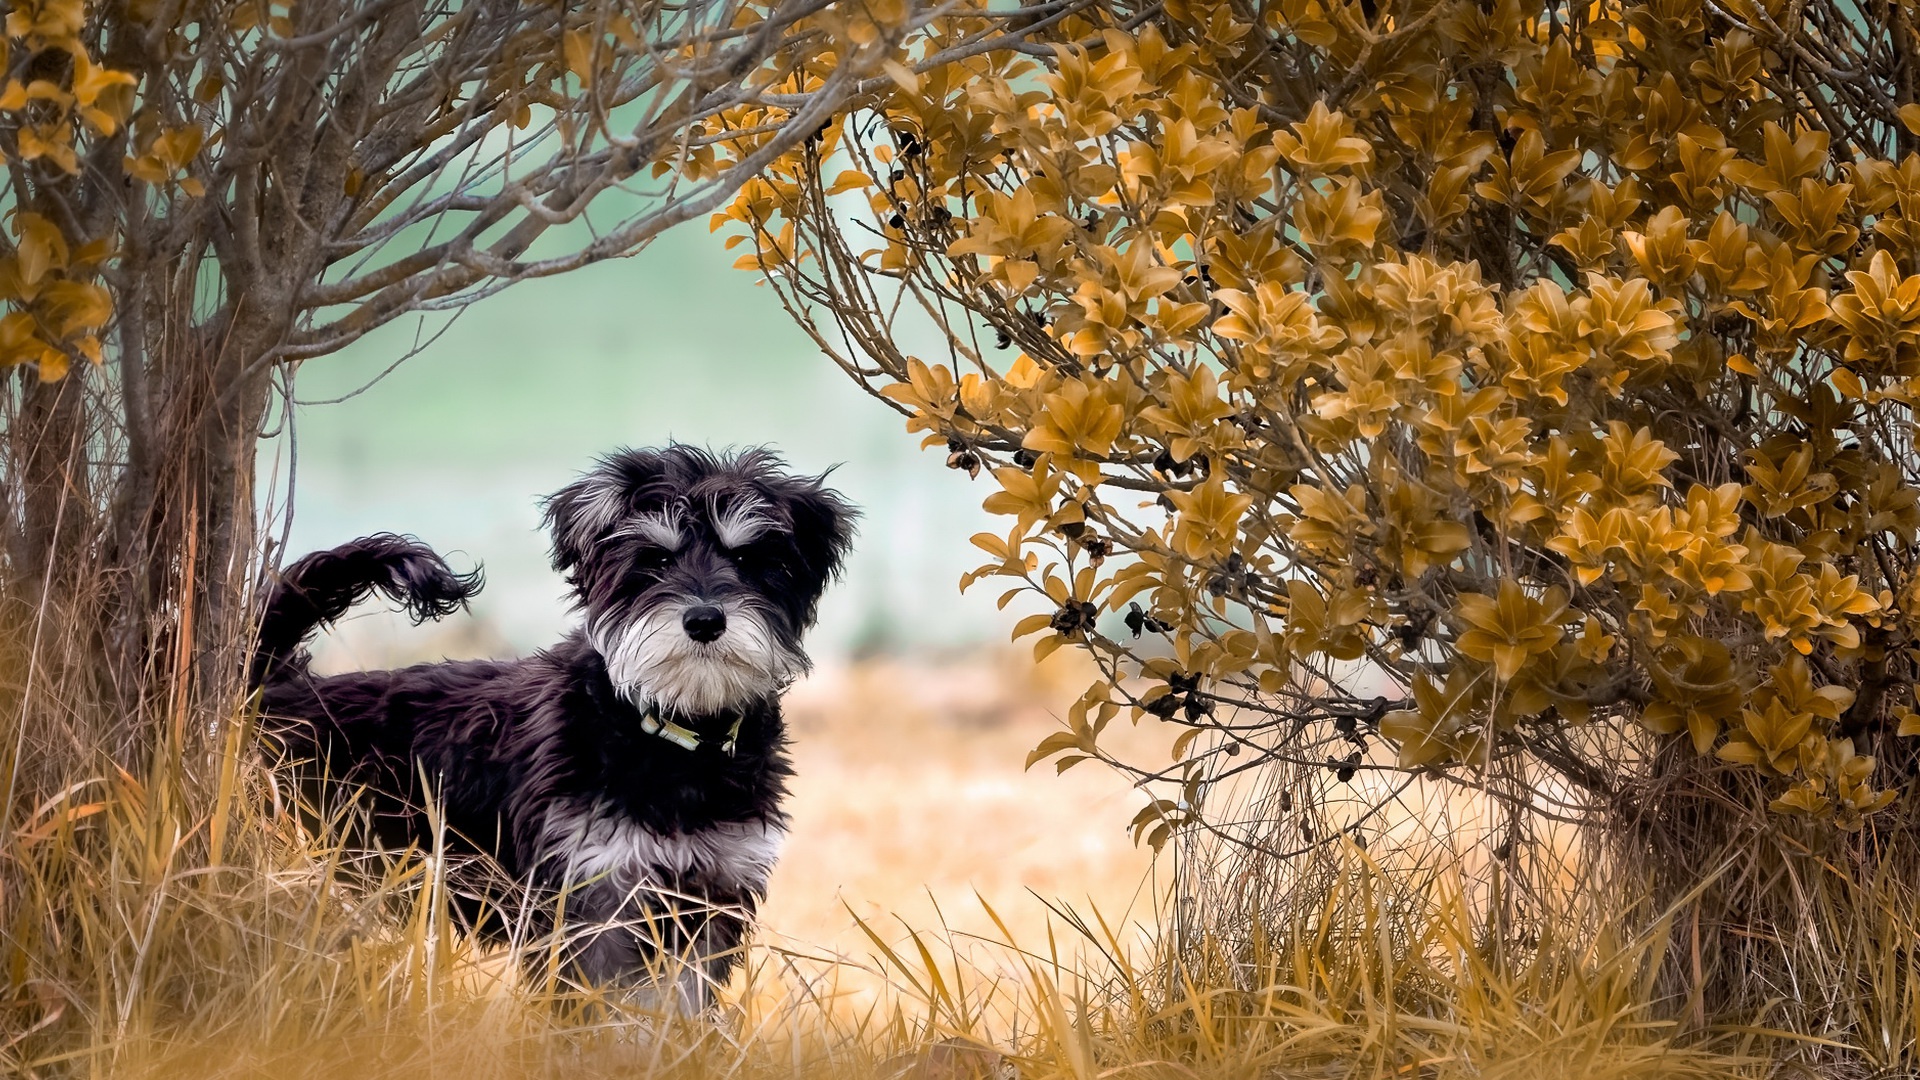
x=519, y=752
x=321, y=587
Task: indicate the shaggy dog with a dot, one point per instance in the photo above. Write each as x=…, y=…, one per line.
x=627, y=780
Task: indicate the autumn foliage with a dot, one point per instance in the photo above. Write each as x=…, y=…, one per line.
x=1468, y=388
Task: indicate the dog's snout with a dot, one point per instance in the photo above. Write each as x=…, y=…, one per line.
x=704, y=623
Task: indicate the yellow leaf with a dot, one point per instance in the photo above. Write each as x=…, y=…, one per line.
x=1801, y=798
x=1505, y=630
x=177, y=147
x=53, y=365
x=849, y=180
x=1031, y=624
x=1046, y=647
x=72, y=306
x=1209, y=519
x=91, y=81
x=145, y=168
x=1323, y=141
x=1704, y=729
x=1053, y=744
x=41, y=247
x=902, y=75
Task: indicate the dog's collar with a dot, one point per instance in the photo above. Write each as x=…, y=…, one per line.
x=685, y=737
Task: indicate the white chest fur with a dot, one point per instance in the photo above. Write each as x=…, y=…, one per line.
x=594, y=841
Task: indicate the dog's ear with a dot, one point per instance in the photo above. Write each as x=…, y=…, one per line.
x=584, y=511
x=575, y=515
x=822, y=533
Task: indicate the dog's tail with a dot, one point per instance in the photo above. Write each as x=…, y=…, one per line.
x=320, y=588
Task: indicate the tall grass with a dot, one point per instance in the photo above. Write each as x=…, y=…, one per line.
x=166, y=914
x=182, y=923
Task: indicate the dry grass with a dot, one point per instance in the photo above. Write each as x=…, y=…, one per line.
x=284, y=971
x=174, y=925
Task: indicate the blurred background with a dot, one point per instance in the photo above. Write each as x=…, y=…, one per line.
x=519, y=393
x=910, y=735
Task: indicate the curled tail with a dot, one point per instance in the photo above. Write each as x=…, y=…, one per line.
x=322, y=586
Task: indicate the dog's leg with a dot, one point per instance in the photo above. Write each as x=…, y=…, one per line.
x=665, y=953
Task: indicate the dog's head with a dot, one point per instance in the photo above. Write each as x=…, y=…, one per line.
x=698, y=572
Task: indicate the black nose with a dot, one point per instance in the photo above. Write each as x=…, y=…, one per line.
x=704, y=623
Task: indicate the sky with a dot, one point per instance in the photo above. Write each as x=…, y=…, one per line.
x=520, y=393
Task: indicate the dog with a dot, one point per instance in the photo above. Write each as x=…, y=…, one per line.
x=626, y=782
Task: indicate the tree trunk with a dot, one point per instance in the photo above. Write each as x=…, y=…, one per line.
x=131, y=549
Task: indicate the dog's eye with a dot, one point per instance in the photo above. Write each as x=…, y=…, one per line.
x=756, y=555
x=652, y=558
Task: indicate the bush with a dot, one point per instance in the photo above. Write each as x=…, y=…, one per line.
x=1509, y=395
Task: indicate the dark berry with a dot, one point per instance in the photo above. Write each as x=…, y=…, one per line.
x=1075, y=616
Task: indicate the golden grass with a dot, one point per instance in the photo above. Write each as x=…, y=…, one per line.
x=174, y=925
x=290, y=974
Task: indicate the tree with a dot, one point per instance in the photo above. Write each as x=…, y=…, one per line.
x=1498, y=392
x=201, y=197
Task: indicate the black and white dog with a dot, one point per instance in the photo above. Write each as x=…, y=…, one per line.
x=628, y=778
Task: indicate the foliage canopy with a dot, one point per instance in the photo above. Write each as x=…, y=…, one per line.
x=1460, y=388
